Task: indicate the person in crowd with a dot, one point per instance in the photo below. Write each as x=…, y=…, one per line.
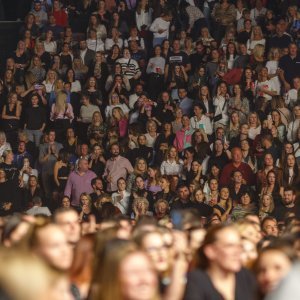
x=201, y=97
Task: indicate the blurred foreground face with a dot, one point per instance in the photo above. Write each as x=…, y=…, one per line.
x=226, y=252
x=138, y=278
x=154, y=245
x=54, y=248
x=272, y=267
x=69, y=223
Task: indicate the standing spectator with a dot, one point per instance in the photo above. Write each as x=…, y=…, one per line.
x=48, y=154
x=116, y=167
x=79, y=182
x=35, y=120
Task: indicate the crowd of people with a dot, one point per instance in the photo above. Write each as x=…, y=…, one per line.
x=151, y=150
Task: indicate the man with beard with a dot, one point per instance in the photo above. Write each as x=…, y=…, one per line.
x=288, y=205
x=116, y=167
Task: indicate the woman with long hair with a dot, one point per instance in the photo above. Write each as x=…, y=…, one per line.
x=254, y=125
x=99, y=70
x=266, y=206
x=234, y=125
x=239, y=103
x=220, y=102
x=256, y=38
x=75, y=84
x=177, y=80
x=11, y=114
x=113, y=55
x=171, y=165
x=93, y=42
x=119, y=120
x=97, y=129
x=80, y=69
x=140, y=169
x=116, y=276
x=94, y=23
x=152, y=181
x=290, y=171
x=62, y=115
x=220, y=273
x=273, y=187
x=50, y=45
x=81, y=270
x=37, y=69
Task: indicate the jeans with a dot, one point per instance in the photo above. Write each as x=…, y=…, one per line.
x=34, y=136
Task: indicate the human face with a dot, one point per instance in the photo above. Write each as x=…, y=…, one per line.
x=182, y=93
x=141, y=165
x=271, y=178
x=163, y=183
x=288, y=198
x=199, y=196
x=137, y=278
x=237, y=156
x=293, y=50
x=126, y=53
x=270, y=228
x=269, y=160
x=66, y=202
x=195, y=166
x=245, y=199
x=224, y=193
x=215, y=171
x=32, y=182
x=218, y=146
x=197, y=111
x=226, y=252
x=172, y=153
x=121, y=185
x=142, y=140
x=69, y=223
x=154, y=245
x=51, y=136
x=161, y=209
x=185, y=122
x=213, y=185
x=266, y=201
x=184, y=193
x=84, y=200
x=83, y=165
x=291, y=161
x=53, y=247
x=273, y=266
x=115, y=151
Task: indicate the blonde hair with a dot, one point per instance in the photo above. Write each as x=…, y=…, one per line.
x=61, y=102
x=271, y=53
x=258, y=51
x=16, y=266
x=252, y=32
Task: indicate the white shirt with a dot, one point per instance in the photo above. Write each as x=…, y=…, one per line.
x=171, y=168
x=291, y=97
x=268, y=84
x=204, y=123
x=110, y=42
x=253, y=132
x=292, y=130
x=158, y=24
x=95, y=45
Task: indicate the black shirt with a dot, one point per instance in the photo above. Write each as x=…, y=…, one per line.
x=35, y=117
x=200, y=287
x=290, y=66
